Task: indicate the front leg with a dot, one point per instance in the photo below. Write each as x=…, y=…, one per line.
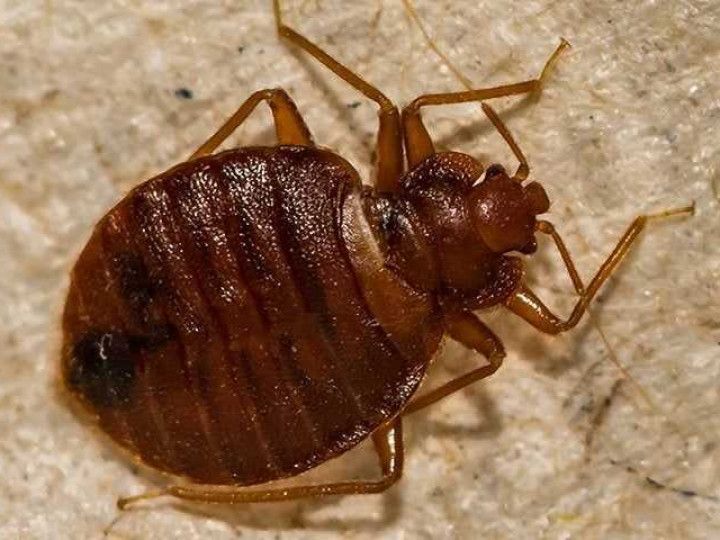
x=527, y=305
x=467, y=329
x=418, y=143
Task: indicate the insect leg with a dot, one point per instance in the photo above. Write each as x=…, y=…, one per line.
x=289, y=125
x=418, y=143
x=467, y=329
x=388, y=443
x=389, y=142
x=527, y=305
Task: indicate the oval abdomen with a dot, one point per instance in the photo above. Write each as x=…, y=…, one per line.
x=225, y=322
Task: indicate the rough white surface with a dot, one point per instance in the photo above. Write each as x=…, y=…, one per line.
x=558, y=444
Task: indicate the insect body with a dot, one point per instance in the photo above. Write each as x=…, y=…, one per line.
x=241, y=295
x=248, y=315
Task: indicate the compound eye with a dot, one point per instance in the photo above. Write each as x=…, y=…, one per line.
x=539, y=202
x=530, y=247
x=494, y=170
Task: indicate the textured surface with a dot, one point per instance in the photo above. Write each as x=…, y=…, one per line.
x=95, y=96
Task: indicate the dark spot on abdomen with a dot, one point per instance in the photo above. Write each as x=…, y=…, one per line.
x=136, y=285
x=155, y=337
x=102, y=368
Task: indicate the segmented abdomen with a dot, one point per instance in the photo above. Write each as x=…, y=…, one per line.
x=218, y=327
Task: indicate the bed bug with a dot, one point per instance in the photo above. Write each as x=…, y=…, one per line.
x=250, y=314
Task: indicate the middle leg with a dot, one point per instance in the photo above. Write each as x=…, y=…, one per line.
x=467, y=329
x=389, y=141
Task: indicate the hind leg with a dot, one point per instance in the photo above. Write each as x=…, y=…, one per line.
x=388, y=445
x=289, y=125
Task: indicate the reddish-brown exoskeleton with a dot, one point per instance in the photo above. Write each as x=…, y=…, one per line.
x=248, y=315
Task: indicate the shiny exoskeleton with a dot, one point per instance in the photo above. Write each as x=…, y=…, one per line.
x=250, y=314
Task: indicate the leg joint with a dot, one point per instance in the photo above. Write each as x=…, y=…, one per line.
x=496, y=358
x=392, y=478
x=386, y=482
x=412, y=108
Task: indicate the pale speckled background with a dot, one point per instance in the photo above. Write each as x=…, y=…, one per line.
x=557, y=444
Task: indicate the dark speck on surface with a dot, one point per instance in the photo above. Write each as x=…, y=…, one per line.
x=654, y=483
x=241, y=49
x=354, y=105
x=183, y=93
